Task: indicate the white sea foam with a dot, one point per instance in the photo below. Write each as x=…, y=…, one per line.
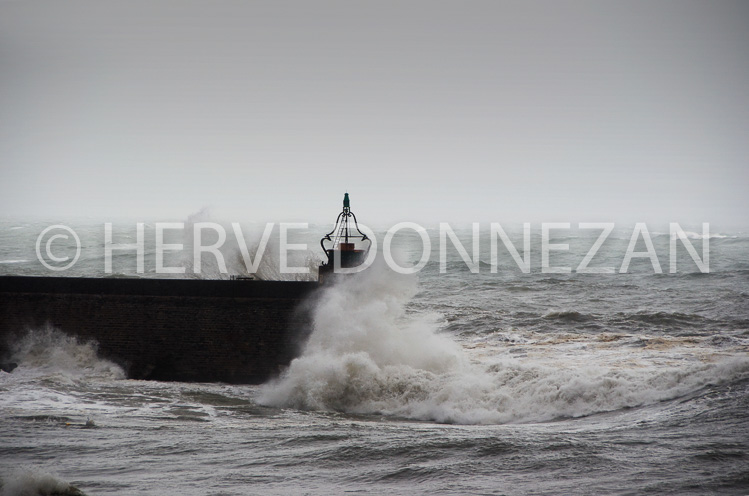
x=366, y=355
x=696, y=235
x=30, y=482
x=50, y=352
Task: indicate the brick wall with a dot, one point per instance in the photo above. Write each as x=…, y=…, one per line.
x=186, y=330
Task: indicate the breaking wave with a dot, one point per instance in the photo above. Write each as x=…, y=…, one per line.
x=696, y=235
x=50, y=352
x=29, y=482
x=367, y=356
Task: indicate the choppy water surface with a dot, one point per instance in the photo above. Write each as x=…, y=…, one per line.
x=454, y=383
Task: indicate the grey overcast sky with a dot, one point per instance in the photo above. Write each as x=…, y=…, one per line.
x=422, y=110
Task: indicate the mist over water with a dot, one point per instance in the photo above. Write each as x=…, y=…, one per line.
x=243, y=245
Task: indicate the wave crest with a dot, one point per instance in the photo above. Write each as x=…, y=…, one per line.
x=51, y=352
x=29, y=482
x=367, y=356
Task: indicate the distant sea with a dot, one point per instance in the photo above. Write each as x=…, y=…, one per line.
x=447, y=381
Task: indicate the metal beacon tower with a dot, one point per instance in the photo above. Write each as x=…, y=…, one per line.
x=343, y=252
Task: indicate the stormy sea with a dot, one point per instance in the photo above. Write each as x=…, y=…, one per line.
x=478, y=376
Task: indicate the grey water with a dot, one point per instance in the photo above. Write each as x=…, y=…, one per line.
x=446, y=381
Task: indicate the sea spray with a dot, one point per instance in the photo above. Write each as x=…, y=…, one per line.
x=50, y=352
x=366, y=355
x=30, y=482
x=241, y=243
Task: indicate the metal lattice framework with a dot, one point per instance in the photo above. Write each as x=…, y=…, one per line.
x=346, y=228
